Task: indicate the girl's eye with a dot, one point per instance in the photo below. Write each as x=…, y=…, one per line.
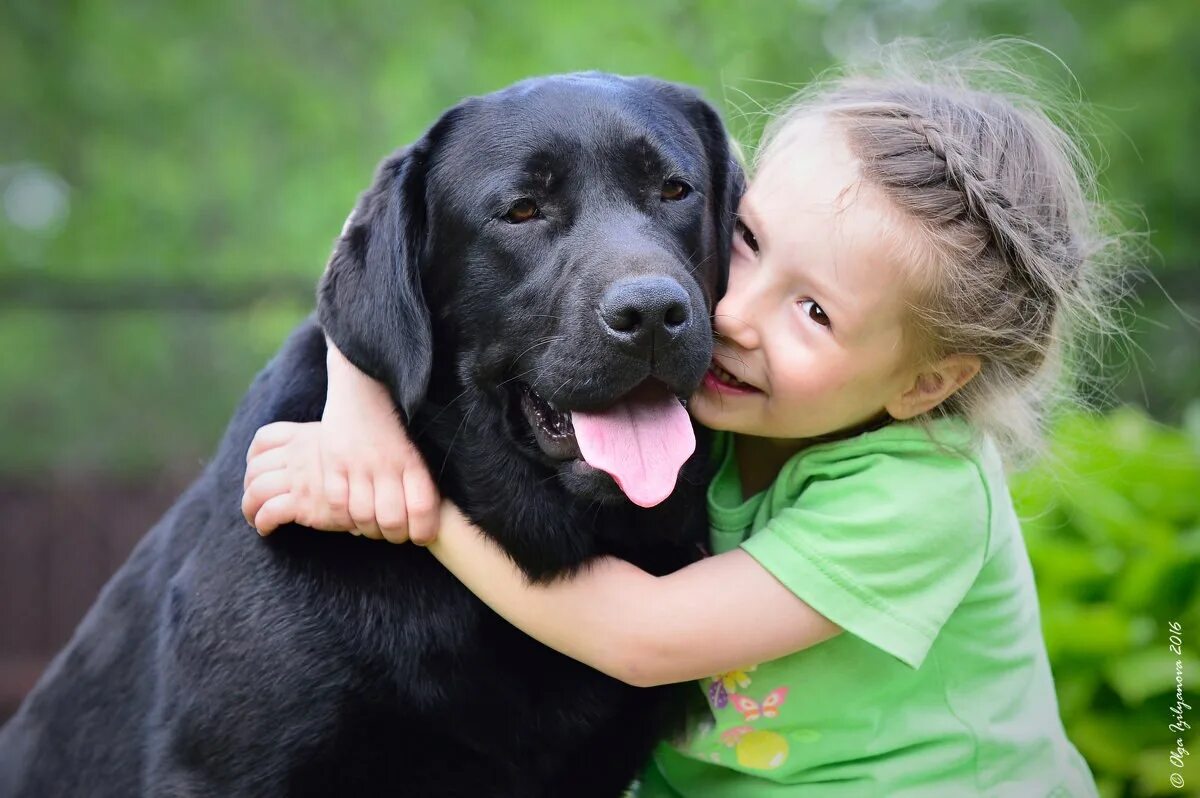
x=522, y=210
x=744, y=233
x=675, y=190
x=815, y=312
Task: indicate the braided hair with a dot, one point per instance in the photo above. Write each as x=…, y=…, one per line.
x=1007, y=267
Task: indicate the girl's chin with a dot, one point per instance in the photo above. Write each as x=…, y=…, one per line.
x=713, y=412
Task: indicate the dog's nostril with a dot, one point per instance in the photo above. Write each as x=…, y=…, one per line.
x=624, y=319
x=676, y=314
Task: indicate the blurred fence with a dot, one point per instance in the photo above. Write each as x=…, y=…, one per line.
x=61, y=540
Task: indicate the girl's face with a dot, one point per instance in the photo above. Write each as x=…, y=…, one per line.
x=811, y=335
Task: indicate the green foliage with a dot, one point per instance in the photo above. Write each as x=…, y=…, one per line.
x=1112, y=521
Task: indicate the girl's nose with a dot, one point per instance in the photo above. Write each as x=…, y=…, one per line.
x=732, y=320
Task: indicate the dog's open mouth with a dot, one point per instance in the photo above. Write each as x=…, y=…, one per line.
x=551, y=427
x=641, y=440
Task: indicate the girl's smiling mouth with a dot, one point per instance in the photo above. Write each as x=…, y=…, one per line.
x=721, y=381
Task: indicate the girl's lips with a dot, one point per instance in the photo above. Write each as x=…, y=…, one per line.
x=714, y=383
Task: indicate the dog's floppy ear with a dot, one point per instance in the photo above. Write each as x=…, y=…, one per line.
x=370, y=302
x=728, y=180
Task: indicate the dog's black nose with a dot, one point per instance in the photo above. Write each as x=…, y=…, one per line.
x=643, y=310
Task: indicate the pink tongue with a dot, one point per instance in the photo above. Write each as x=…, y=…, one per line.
x=640, y=441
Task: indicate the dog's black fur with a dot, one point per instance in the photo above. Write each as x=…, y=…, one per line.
x=219, y=664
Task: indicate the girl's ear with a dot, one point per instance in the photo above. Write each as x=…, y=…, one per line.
x=932, y=385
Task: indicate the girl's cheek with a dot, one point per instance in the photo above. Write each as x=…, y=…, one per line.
x=797, y=365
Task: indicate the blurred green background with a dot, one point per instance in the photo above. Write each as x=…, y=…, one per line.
x=172, y=177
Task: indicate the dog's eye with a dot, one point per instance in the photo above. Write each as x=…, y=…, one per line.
x=522, y=211
x=675, y=190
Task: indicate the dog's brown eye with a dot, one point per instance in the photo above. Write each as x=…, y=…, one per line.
x=521, y=211
x=675, y=190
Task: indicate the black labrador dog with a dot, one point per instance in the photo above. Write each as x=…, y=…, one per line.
x=533, y=280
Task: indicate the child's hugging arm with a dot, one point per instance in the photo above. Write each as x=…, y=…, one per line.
x=718, y=614
x=354, y=471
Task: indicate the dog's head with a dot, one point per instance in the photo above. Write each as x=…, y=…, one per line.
x=556, y=250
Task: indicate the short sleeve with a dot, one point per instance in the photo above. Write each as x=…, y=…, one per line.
x=885, y=547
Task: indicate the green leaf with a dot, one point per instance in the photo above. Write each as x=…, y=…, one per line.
x=1139, y=675
x=1105, y=744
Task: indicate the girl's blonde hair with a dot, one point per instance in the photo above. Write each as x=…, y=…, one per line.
x=1004, y=199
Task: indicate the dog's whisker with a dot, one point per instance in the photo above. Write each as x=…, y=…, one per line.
x=554, y=393
x=734, y=356
x=502, y=383
x=450, y=448
x=548, y=339
x=692, y=267
x=429, y=422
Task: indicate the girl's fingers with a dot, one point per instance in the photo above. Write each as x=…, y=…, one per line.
x=362, y=508
x=264, y=487
x=269, y=460
x=390, y=512
x=421, y=501
x=271, y=436
x=275, y=512
x=337, y=492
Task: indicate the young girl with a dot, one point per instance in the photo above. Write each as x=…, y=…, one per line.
x=911, y=263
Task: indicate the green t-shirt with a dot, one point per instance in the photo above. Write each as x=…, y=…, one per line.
x=939, y=685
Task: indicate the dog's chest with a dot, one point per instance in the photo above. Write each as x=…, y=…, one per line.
x=463, y=680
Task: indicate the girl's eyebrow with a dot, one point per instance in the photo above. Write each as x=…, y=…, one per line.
x=746, y=211
x=822, y=292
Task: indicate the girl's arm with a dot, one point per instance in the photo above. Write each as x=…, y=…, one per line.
x=716, y=615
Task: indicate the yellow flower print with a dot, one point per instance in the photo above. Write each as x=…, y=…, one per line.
x=725, y=683
x=736, y=678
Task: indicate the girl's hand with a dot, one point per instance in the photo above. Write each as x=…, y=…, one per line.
x=355, y=471
x=284, y=481
x=287, y=479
